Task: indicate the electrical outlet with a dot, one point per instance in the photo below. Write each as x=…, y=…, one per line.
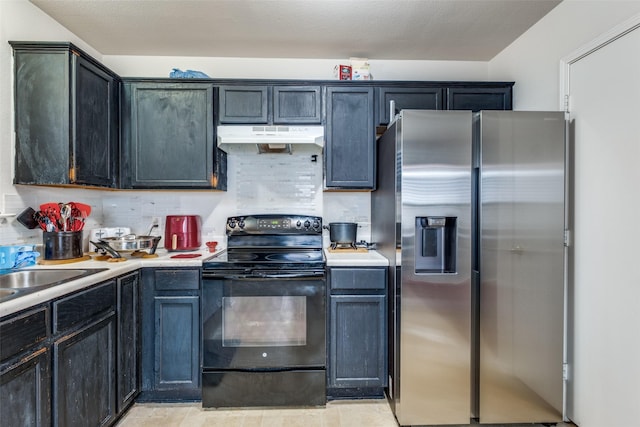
x=155, y=220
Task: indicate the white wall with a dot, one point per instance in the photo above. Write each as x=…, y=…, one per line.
x=23, y=21
x=603, y=321
x=265, y=68
x=533, y=60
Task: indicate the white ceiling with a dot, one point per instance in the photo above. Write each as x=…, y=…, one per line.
x=470, y=30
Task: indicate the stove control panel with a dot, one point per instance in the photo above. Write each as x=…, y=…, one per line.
x=274, y=224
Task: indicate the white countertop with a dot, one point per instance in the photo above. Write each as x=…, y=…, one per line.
x=370, y=258
x=113, y=269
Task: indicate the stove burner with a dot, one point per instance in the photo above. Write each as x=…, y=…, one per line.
x=242, y=256
x=295, y=256
x=350, y=245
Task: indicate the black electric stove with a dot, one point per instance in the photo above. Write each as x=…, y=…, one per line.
x=264, y=315
x=271, y=241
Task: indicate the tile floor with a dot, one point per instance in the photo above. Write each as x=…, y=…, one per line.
x=340, y=413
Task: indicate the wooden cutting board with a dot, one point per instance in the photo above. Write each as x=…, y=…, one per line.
x=347, y=250
x=63, y=261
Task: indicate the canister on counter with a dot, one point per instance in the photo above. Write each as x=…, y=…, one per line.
x=62, y=244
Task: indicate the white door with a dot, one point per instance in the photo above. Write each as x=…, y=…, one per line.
x=604, y=103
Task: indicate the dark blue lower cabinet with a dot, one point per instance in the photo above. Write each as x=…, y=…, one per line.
x=176, y=345
x=74, y=360
x=84, y=373
x=128, y=365
x=170, y=335
x=357, y=362
x=25, y=391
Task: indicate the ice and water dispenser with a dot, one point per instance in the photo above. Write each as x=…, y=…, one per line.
x=436, y=240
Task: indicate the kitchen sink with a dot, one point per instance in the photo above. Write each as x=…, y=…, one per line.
x=20, y=282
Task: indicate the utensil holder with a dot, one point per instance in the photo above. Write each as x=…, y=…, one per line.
x=62, y=244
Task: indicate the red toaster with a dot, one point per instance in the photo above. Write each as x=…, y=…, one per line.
x=182, y=232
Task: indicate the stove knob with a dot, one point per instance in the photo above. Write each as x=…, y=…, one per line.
x=241, y=224
x=307, y=224
x=232, y=224
x=316, y=224
x=299, y=224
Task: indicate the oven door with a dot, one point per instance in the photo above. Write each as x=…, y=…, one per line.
x=266, y=320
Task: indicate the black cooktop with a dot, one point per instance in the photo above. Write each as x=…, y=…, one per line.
x=271, y=241
x=267, y=258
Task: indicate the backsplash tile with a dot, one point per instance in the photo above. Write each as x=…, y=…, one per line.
x=277, y=183
x=257, y=183
x=346, y=206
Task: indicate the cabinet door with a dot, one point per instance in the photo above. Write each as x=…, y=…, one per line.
x=407, y=98
x=297, y=104
x=42, y=117
x=479, y=98
x=128, y=340
x=169, y=142
x=357, y=337
x=25, y=391
x=95, y=141
x=350, y=146
x=84, y=375
x=244, y=104
x=177, y=342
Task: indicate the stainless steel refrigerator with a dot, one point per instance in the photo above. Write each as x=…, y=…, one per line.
x=470, y=212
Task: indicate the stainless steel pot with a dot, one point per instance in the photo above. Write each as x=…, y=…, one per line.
x=342, y=232
x=132, y=242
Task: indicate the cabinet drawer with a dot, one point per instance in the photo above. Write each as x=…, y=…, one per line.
x=358, y=278
x=78, y=308
x=167, y=280
x=23, y=331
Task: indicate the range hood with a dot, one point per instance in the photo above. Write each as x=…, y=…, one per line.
x=270, y=139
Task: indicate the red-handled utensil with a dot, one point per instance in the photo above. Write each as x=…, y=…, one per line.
x=84, y=209
x=51, y=209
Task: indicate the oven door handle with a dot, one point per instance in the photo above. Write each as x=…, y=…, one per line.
x=289, y=275
x=266, y=275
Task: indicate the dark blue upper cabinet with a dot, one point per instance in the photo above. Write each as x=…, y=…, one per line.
x=414, y=98
x=477, y=98
x=350, y=137
x=66, y=117
x=168, y=137
x=297, y=105
x=270, y=104
x=95, y=142
x=244, y=104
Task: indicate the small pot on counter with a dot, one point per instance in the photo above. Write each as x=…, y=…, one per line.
x=342, y=233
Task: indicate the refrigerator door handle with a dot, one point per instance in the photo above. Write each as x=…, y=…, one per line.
x=517, y=249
